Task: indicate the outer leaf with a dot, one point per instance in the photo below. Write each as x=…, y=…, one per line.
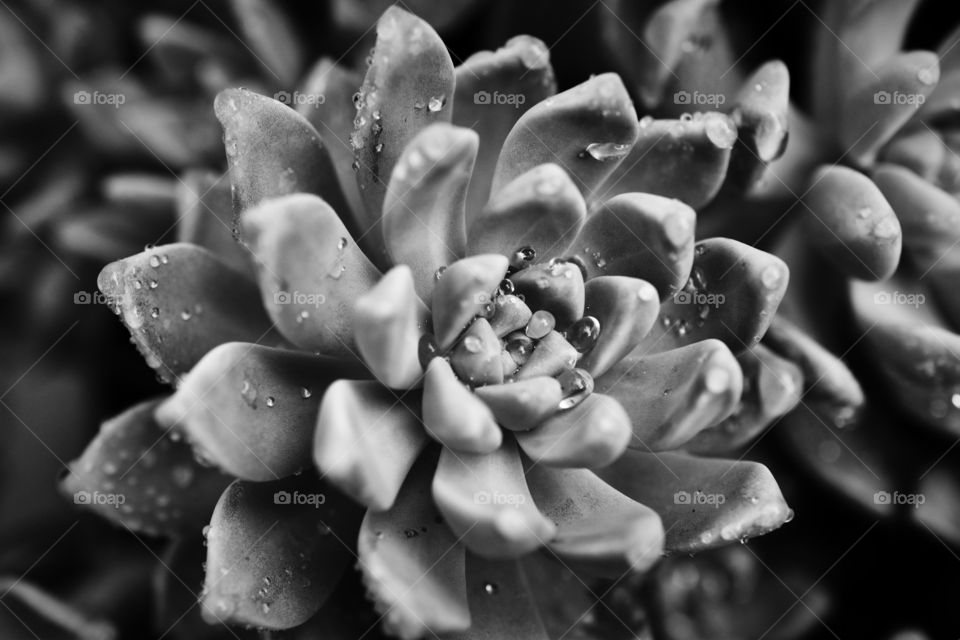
x=273, y=151
x=703, y=503
x=485, y=501
x=493, y=89
x=275, y=551
x=641, y=236
x=366, y=441
x=138, y=476
x=408, y=85
x=311, y=271
x=412, y=564
x=179, y=301
x=600, y=531
x=250, y=409
x=672, y=396
x=423, y=208
x=588, y=130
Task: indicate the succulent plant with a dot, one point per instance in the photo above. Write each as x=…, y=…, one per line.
x=876, y=231
x=480, y=345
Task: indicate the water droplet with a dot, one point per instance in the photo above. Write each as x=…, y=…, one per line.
x=519, y=346
x=137, y=284
x=607, y=150
x=342, y=244
x=439, y=273
x=472, y=344
x=164, y=259
x=541, y=323
x=185, y=314
x=153, y=284
x=490, y=588
x=418, y=104
x=154, y=261
x=584, y=333
x=249, y=394
x=427, y=350
x=886, y=228
x=771, y=276
x=271, y=401
x=305, y=393
x=506, y=287
x=155, y=313
x=646, y=121
x=646, y=292
x=926, y=76
x=576, y=385
x=864, y=212
x=436, y=103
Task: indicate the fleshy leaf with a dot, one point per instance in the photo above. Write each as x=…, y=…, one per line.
x=640, y=236
x=556, y=286
x=826, y=378
x=685, y=159
x=327, y=104
x=673, y=395
x=464, y=289
x=929, y=218
x=273, y=151
x=275, y=551
x=732, y=294
x=914, y=350
x=366, y=440
x=851, y=224
x=600, y=531
x=269, y=33
x=501, y=602
x=551, y=356
x=702, y=502
x=875, y=111
x=771, y=388
x=311, y=271
x=760, y=114
x=389, y=320
x=409, y=85
x=626, y=308
x=205, y=218
x=587, y=129
x=485, y=501
x=522, y=405
x=453, y=415
x=137, y=475
x=476, y=357
x=179, y=301
x=423, y=208
x=412, y=564
x=592, y=434
x=541, y=208
x=493, y=89
x=653, y=55
x=249, y=409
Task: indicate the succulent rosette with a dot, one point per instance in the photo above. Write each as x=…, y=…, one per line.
x=875, y=232
x=448, y=338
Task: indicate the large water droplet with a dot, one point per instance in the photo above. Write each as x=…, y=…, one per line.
x=541, y=323
x=607, y=150
x=584, y=333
